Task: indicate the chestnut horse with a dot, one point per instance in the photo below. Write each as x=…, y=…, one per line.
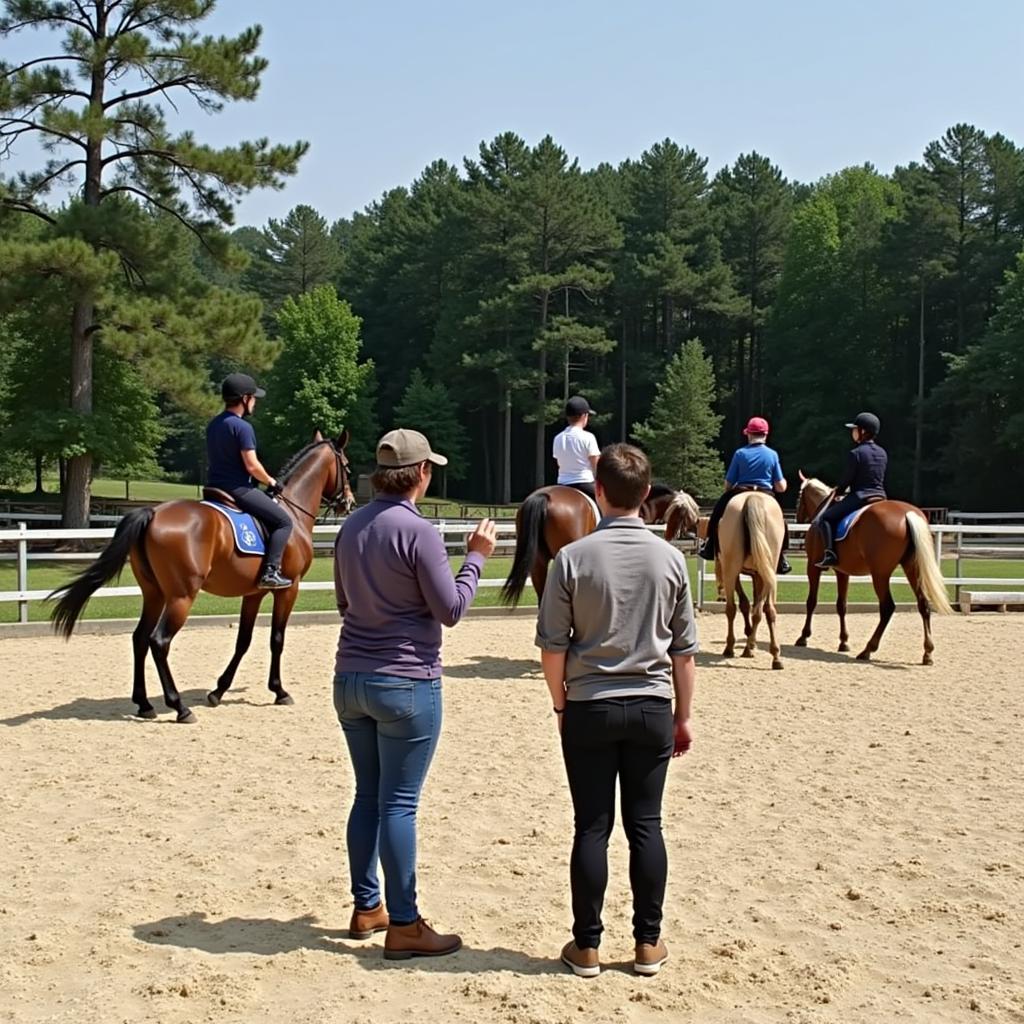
x=750, y=540
x=887, y=534
x=552, y=517
x=181, y=547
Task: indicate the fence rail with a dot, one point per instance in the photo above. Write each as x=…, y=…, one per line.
x=944, y=534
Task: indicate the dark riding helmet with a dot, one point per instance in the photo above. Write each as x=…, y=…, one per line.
x=867, y=421
x=237, y=385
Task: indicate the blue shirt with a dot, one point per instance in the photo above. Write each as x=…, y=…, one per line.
x=395, y=590
x=227, y=436
x=865, y=471
x=755, y=465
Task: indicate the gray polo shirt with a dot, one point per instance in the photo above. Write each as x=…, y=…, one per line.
x=618, y=601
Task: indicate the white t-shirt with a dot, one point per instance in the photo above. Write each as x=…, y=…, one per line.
x=572, y=449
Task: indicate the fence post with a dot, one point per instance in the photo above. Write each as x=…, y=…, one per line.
x=700, y=583
x=23, y=570
x=959, y=552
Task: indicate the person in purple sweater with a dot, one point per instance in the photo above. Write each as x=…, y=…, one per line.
x=395, y=591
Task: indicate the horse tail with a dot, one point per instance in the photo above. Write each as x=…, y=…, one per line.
x=74, y=596
x=764, y=560
x=933, y=586
x=530, y=523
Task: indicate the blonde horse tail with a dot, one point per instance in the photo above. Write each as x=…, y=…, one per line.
x=755, y=511
x=933, y=586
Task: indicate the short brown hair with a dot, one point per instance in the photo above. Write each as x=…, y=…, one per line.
x=624, y=473
x=396, y=479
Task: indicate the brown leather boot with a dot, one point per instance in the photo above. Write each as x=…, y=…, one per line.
x=649, y=958
x=584, y=963
x=417, y=939
x=365, y=922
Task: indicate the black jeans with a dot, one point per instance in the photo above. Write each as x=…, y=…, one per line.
x=629, y=739
x=587, y=488
x=277, y=521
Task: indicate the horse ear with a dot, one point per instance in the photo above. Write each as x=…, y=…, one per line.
x=343, y=438
x=317, y=436
x=803, y=479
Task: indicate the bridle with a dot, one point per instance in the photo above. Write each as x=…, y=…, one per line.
x=342, y=494
x=818, y=508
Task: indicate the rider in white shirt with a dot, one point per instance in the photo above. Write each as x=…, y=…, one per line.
x=575, y=448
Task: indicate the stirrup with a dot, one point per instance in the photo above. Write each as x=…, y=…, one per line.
x=271, y=579
x=828, y=560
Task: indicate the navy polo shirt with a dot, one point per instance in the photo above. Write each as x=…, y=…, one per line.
x=227, y=436
x=865, y=471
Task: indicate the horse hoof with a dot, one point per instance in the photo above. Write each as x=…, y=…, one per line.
x=801, y=641
x=213, y=699
x=284, y=699
x=185, y=717
x=747, y=654
x=864, y=656
x=149, y=714
x=728, y=653
x=844, y=647
x=777, y=663
x=927, y=660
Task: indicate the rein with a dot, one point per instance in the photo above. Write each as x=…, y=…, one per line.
x=327, y=502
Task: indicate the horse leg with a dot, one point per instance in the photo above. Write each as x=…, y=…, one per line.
x=813, y=580
x=923, y=607
x=744, y=606
x=284, y=601
x=539, y=576
x=152, y=606
x=773, y=643
x=842, y=589
x=755, y=618
x=886, y=606
x=173, y=618
x=246, y=623
x=730, y=615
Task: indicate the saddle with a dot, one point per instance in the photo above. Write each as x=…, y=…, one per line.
x=846, y=524
x=249, y=532
x=215, y=494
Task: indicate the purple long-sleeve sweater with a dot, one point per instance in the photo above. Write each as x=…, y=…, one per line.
x=395, y=590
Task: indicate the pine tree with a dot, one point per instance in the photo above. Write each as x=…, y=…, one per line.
x=298, y=254
x=428, y=407
x=94, y=103
x=679, y=435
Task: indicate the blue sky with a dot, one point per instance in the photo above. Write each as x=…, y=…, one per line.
x=381, y=89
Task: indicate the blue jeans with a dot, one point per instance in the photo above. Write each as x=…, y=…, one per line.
x=391, y=725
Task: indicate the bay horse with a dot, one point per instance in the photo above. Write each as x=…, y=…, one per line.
x=178, y=548
x=750, y=540
x=887, y=534
x=554, y=516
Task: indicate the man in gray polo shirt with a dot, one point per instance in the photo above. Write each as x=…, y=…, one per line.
x=617, y=634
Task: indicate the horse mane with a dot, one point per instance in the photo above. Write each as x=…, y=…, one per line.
x=292, y=464
x=815, y=485
x=684, y=503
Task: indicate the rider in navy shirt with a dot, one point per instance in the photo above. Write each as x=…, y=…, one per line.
x=754, y=467
x=863, y=480
x=232, y=466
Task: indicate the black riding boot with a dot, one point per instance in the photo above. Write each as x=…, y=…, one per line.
x=783, y=566
x=829, y=558
x=271, y=578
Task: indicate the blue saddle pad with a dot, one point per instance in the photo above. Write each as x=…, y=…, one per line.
x=249, y=534
x=846, y=523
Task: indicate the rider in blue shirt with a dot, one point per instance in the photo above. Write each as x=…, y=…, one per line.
x=755, y=467
x=232, y=466
x=863, y=480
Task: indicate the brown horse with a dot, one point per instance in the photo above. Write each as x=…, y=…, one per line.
x=552, y=517
x=888, y=533
x=750, y=540
x=181, y=547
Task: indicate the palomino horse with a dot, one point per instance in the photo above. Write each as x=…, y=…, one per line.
x=181, y=547
x=887, y=534
x=552, y=517
x=750, y=540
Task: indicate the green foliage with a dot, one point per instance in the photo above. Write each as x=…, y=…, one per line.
x=428, y=408
x=318, y=382
x=679, y=435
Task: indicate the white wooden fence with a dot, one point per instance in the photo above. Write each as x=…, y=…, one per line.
x=952, y=540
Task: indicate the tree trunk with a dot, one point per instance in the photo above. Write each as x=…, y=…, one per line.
x=919, y=419
x=542, y=399
x=39, y=474
x=622, y=382
x=506, y=440
x=489, y=480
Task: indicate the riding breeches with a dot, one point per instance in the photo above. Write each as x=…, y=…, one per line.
x=277, y=521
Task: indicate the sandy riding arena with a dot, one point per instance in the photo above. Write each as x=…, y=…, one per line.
x=846, y=841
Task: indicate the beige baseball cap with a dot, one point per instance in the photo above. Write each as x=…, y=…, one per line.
x=406, y=448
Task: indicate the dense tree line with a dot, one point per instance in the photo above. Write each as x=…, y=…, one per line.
x=471, y=303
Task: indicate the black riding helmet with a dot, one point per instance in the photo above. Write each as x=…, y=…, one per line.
x=237, y=385
x=867, y=421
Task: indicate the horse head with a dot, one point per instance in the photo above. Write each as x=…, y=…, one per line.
x=338, y=489
x=812, y=494
x=682, y=516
